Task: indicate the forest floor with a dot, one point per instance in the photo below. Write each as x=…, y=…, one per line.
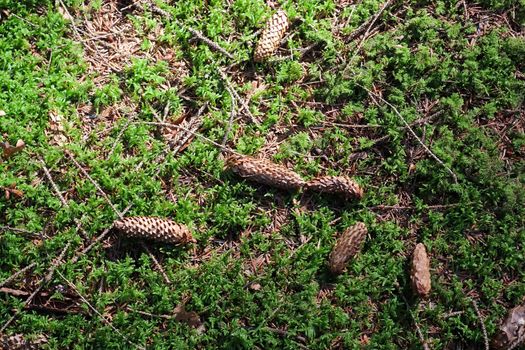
x=119, y=108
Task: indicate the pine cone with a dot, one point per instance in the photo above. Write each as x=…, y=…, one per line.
x=158, y=229
x=271, y=36
x=512, y=329
x=346, y=247
x=265, y=172
x=337, y=185
x=420, y=274
x=19, y=342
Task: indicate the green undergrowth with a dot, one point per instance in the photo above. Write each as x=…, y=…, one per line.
x=461, y=88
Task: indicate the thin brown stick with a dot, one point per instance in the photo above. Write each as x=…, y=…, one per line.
x=167, y=125
x=156, y=262
x=194, y=125
x=481, y=323
x=144, y=313
x=420, y=336
x=361, y=42
x=233, y=113
x=105, y=320
x=53, y=184
x=408, y=207
x=208, y=42
x=16, y=274
x=121, y=132
x=42, y=282
x=62, y=200
x=244, y=105
x=75, y=29
x=19, y=230
x=94, y=183
x=412, y=132
x=353, y=126
x=96, y=240
x=368, y=24
x=197, y=34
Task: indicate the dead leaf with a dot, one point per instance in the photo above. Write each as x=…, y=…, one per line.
x=10, y=150
x=191, y=318
x=12, y=190
x=56, y=129
x=2, y=113
x=512, y=329
x=255, y=286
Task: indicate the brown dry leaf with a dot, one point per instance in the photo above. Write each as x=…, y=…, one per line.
x=55, y=129
x=9, y=150
x=255, y=286
x=11, y=190
x=512, y=330
x=191, y=318
x=420, y=273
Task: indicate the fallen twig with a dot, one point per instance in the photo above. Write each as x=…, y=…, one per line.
x=22, y=231
x=481, y=323
x=53, y=184
x=167, y=125
x=207, y=41
x=16, y=274
x=157, y=264
x=121, y=132
x=193, y=126
x=244, y=105
x=94, y=183
x=96, y=240
x=412, y=132
x=368, y=24
x=232, y=117
x=105, y=320
x=41, y=284
x=197, y=34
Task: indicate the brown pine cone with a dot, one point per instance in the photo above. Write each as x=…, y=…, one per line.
x=420, y=274
x=265, y=172
x=512, y=329
x=157, y=229
x=347, y=246
x=271, y=36
x=337, y=185
x=19, y=342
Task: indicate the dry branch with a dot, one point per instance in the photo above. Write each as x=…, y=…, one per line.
x=105, y=320
x=16, y=274
x=481, y=323
x=53, y=184
x=412, y=132
x=41, y=284
x=94, y=183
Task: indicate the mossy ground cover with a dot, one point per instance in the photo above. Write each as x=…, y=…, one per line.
x=80, y=81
